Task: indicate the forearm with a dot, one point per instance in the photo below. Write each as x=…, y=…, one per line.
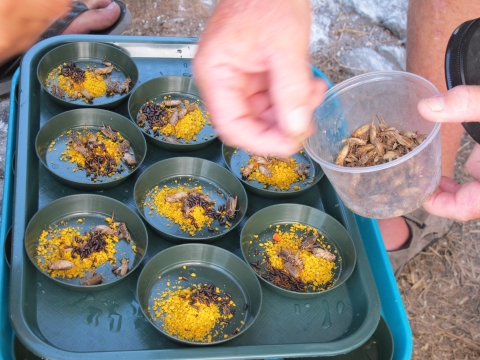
x=429, y=27
x=22, y=22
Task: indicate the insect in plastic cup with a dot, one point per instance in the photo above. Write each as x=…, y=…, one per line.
x=393, y=188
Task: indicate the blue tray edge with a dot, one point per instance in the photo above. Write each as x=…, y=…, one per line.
x=6, y=331
x=392, y=308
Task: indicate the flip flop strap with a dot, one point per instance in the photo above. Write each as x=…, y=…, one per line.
x=60, y=25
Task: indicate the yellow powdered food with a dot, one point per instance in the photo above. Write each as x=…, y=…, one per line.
x=182, y=320
x=93, y=83
x=188, y=127
x=316, y=271
x=155, y=200
x=111, y=149
x=283, y=174
x=56, y=243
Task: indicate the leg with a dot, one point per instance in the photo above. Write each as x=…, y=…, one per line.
x=430, y=24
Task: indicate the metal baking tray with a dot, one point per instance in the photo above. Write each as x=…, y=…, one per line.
x=59, y=324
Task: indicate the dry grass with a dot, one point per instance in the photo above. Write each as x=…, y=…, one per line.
x=440, y=288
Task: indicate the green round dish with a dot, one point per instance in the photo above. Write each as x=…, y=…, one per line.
x=211, y=265
x=236, y=159
x=92, y=210
x=89, y=54
x=260, y=227
x=55, y=130
x=217, y=182
x=179, y=88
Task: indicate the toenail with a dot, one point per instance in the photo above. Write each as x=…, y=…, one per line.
x=111, y=6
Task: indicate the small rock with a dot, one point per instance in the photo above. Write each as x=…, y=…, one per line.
x=319, y=32
x=391, y=14
x=396, y=54
x=361, y=60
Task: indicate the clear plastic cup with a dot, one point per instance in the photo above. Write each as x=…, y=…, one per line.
x=390, y=189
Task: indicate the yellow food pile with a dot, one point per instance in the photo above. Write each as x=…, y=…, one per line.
x=111, y=148
x=316, y=271
x=188, y=127
x=182, y=320
x=54, y=245
x=95, y=84
x=283, y=174
x=155, y=200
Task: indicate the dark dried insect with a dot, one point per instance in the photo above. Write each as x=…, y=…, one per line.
x=61, y=265
x=125, y=87
x=184, y=278
x=171, y=103
x=171, y=140
x=231, y=206
x=122, y=269
x=257, y=264
x=245, y=307
x=108, y=132
x=93, y=279
x=86, y=94
x=57, y=91
x=106, y=70
x=141, y=118
x=72, y=70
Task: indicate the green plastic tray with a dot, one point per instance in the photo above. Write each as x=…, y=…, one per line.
x=59, y=324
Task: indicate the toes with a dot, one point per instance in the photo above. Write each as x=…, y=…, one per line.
x=96, y=4
x=96, y=18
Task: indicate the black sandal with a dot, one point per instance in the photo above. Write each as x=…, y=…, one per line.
x=425, y=230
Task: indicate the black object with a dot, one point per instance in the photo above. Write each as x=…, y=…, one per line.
x=462, y=63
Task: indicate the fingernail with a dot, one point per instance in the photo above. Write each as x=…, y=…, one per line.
x=298, y=120
x=111, y=6
x=435, y=103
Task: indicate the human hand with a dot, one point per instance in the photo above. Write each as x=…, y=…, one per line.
x=452, y=200
x=252, y=71
x=22, y=22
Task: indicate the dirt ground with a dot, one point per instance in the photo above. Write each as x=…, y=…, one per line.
x=439, y=287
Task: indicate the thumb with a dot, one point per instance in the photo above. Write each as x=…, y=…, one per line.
x=460, y=104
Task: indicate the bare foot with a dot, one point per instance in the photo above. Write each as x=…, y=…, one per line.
x=101, y=15
x=395, y=232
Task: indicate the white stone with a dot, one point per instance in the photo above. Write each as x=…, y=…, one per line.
x=319, y=33
x=391, y=14
x=396, y=54
x=361, y=60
